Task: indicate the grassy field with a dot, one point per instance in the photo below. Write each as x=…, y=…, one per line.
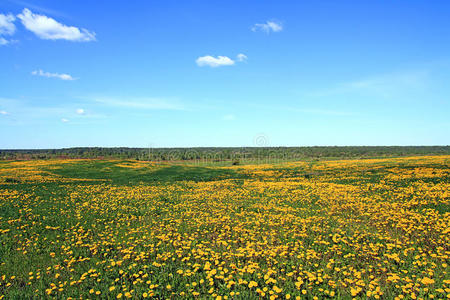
x=375, y=228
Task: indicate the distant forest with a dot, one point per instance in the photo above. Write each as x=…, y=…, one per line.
x=225, y=154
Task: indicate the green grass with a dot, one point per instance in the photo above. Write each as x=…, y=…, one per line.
x=111, y=172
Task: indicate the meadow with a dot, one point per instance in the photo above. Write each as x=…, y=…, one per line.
x=118, y=229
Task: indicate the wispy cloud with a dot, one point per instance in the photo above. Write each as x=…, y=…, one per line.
x=4, y=41
x=229, y=117
x=53, y=75
x=141, y=103
x=269, y=26
x=49, y=29
x=7, y=26
x=29, y=111
x=214, y=62
x=64, y=120
x=241, y=57
x=41, y=9
x=326, y=112
x=385, y=85
x=299, y=109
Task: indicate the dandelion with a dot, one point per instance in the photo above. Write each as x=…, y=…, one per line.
x=427, y=280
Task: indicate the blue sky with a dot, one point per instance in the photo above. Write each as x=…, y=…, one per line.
x=224, y=73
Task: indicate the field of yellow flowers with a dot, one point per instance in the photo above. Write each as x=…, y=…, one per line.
x=377, y=228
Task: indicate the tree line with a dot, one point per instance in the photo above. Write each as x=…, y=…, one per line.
x=223, y=153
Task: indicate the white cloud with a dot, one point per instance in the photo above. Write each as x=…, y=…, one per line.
x=53, y=75
x=80, y=111
x=241, y=57
x=4, y=113
x=7, y=26
x=269, y=26
x=49, y=29
x=214, y=61
x=64, y=120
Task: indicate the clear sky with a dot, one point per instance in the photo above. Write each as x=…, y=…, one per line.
x=224, y=73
